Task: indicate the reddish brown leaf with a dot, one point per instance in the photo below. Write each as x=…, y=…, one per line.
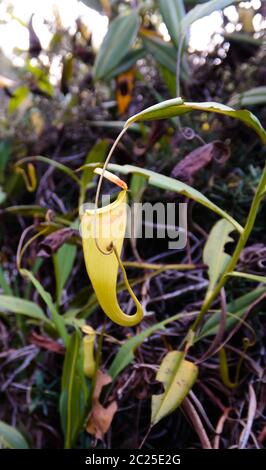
x=46, y=343
x=54, y=240
x=199, y=158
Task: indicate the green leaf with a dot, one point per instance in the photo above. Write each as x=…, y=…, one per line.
x=2, y=195
x=162, y=52
x=177, y=107
x=73, y=391
x=42, y=78
x=252, y=97
x=199, y=11
x=94, y=4
x=172, y=12
x=59, y=166
x=5, y=154
x=23, y=307
x=235, y=310
x=251, y=277
x=138, y=184
x=57, y=319
x=127, y=62
x=125, y=354
x=96, y=154
x=18, y=97
x=243, y=38
x=11, y=438
x=117, y=42
x=213, y=254
x=178, y=377
x=4, y=283
x=63, y=263
x=169, y=79
x=171, y=184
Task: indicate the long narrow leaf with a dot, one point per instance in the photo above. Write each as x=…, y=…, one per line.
x=23, y=307
x=172, y=12
x=199, y=11
x=120, y=36
x=57, y=319
x=73, y=391
x=170, y=184
x=177, y=107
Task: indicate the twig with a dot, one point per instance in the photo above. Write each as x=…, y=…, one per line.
x=197, y=424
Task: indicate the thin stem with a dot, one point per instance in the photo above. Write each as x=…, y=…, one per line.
x=178, y=64
x=108, y=252
x=260, y=192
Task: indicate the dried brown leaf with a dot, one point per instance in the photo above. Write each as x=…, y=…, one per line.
x=199, y=158
x=101, y=417
x=55, y=240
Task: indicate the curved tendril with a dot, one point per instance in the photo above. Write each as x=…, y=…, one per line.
x=107, y=252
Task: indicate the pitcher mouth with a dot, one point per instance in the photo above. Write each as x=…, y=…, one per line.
x=102, y=210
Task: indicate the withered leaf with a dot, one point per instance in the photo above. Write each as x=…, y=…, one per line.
x=54, y=240
x=199, y=158
x=101, y=417
x=157, y=129
x=46, y=343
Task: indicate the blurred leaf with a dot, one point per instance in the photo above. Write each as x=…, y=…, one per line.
x=117, y=42
x=5, y=154
x=19, y=95
x=214, y=255
x=63, y=264
x=199, y=11
x=170, y=184
x=96, y=154
x=253, y=97
x=56, y=317
x=37, y=121
x=73, y=391
x=95, y=4
x=35, y=45
x=178, y=377
x=67, y=73
x=11, y=438
x=251, y=277
x=59, y=166
x=4, y=283
x=172, y=12
x=23, y=307
x=2, y=195
x=127, y=62
x=169, y=79
x=164, y=53
x=243, y=38
x=41, y=77
x=235, y=310
x=177, y=107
